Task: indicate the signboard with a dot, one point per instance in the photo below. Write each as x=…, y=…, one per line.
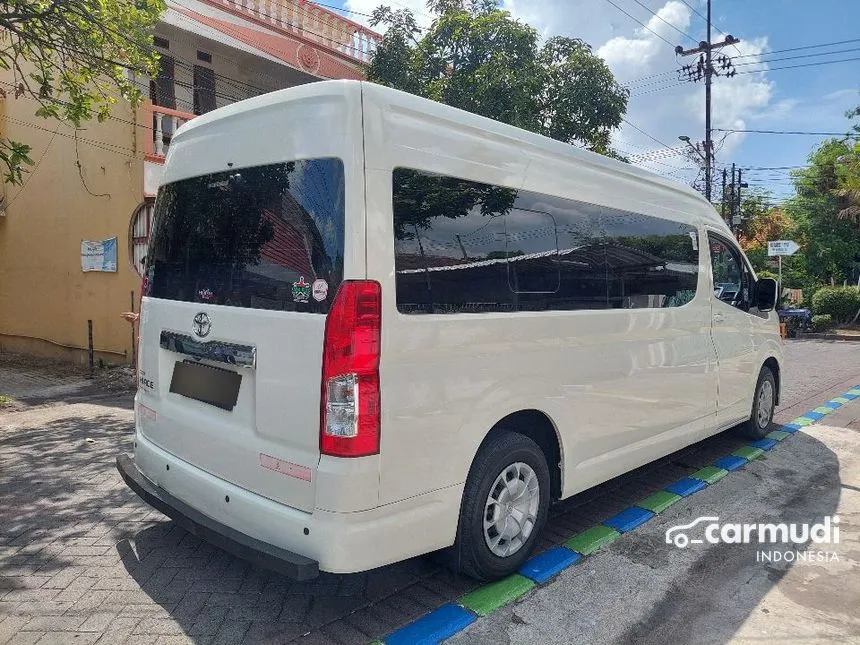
x=98, y=255
x=782, y=247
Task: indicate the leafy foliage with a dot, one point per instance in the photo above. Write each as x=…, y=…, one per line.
x=841, y=303
x=74, y=58
x=822, y=322
x=477, y=58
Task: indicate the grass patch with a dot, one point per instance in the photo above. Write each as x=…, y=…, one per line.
x=6, y=401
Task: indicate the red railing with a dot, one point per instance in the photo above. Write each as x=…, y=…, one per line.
x=164, y=123
x=310, y=21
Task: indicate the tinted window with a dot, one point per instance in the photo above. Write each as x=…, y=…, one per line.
x=731, y=278
x=463, y=246
x=650, y=262
x=269, y=237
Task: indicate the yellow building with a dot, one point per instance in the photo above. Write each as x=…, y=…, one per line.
x=97, y=184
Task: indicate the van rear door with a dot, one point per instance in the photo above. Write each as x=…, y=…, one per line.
x=247, y=252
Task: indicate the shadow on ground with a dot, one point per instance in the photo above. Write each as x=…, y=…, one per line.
x=66, y=513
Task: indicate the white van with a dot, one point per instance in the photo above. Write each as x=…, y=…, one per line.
x=375, y=326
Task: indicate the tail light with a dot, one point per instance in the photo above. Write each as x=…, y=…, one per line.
x=349, y=414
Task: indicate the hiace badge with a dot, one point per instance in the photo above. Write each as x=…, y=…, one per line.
x=301, y=290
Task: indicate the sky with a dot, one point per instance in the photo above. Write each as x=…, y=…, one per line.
x=759, y=97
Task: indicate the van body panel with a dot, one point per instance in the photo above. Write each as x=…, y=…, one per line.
x=268, y=443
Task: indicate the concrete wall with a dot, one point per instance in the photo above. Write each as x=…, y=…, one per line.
x=45, y=297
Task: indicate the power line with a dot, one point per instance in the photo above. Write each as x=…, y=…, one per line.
x=800, y=132
x=656, y=15
x=690, y=7
x=795, y=49
x=638, y=129
x=773, y=69
x=644, y=26
x=774, y=60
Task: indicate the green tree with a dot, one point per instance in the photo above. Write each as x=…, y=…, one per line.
x=476, y=57
x=831, y=241
x=75, y=58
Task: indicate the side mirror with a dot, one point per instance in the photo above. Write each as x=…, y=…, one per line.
x=765, y=294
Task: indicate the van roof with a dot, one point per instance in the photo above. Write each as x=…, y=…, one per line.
x=433, y=109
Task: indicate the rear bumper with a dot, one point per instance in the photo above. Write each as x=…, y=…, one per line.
x=292, y=565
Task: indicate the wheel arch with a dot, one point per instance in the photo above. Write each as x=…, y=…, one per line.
x=539, y=427
x=773, y=364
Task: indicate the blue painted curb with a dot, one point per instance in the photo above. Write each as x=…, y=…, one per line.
x=433, y=628
x=764, y=444
x=790, y=427
x=629, y=519
x=815, y=416
x=686, y=486
x=544, y=566
x=730, y=463
x=833, y=405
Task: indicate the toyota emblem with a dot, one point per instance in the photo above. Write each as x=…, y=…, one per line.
x=202, y=325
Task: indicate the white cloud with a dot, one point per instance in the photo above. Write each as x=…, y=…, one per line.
x=660, y=104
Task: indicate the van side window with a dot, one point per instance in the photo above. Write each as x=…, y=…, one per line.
x=731, y=277
x=468, y=247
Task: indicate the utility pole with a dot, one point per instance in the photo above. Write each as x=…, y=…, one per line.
x=723, y=206
x=704, y=70
x=731, y=200
x=709, y=152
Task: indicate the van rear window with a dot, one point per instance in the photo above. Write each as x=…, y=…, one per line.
x=267, y=237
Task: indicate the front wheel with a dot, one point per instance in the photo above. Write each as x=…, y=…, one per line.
x=764, y=402
x=504, y=507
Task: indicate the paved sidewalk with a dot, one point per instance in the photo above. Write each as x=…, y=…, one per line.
x=82, y=560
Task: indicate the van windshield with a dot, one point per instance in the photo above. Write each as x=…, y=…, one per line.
x=267, y=237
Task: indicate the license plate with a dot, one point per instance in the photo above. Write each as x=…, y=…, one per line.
x=210, y=385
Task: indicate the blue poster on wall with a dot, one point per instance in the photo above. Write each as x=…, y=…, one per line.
x=98, y=255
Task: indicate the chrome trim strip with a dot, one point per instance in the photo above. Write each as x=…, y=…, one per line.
x=213, y=350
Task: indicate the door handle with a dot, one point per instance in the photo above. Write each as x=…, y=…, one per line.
x=718, y=317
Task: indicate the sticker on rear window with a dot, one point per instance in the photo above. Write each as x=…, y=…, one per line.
x=320, y=290
x=285, y=467
x=301, y=290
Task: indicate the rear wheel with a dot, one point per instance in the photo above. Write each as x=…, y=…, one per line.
x=504, y=507
x=764, y=402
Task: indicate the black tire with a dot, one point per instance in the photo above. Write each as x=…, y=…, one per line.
x=754, y=428
x=471, y=554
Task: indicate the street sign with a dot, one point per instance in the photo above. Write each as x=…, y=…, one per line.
x=782, y=247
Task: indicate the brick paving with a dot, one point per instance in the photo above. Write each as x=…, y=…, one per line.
x=83, y=561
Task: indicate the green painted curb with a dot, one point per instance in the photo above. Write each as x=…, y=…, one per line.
x=823, y=410
x=659, y=502
x=748, y=452
x=856, y=391
x=490, y=597
x=710, y=474
x=779, y=435
x=841, y=399
x=803, y=421
x=592, y=539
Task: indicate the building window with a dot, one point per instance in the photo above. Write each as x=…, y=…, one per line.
x=163, y=43
x=204, y=56
x=467, y=247
x=204, y=89
x=141, y=226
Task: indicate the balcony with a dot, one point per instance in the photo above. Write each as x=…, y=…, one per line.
x=310, y=21
x=164, y=123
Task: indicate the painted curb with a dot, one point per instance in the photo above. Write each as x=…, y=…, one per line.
x=452, y=618
x=590, y=540
x=542, y=567
x=485, y=600
x=659, y=502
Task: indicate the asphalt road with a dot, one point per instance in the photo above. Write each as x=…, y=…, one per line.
x=82, y=560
